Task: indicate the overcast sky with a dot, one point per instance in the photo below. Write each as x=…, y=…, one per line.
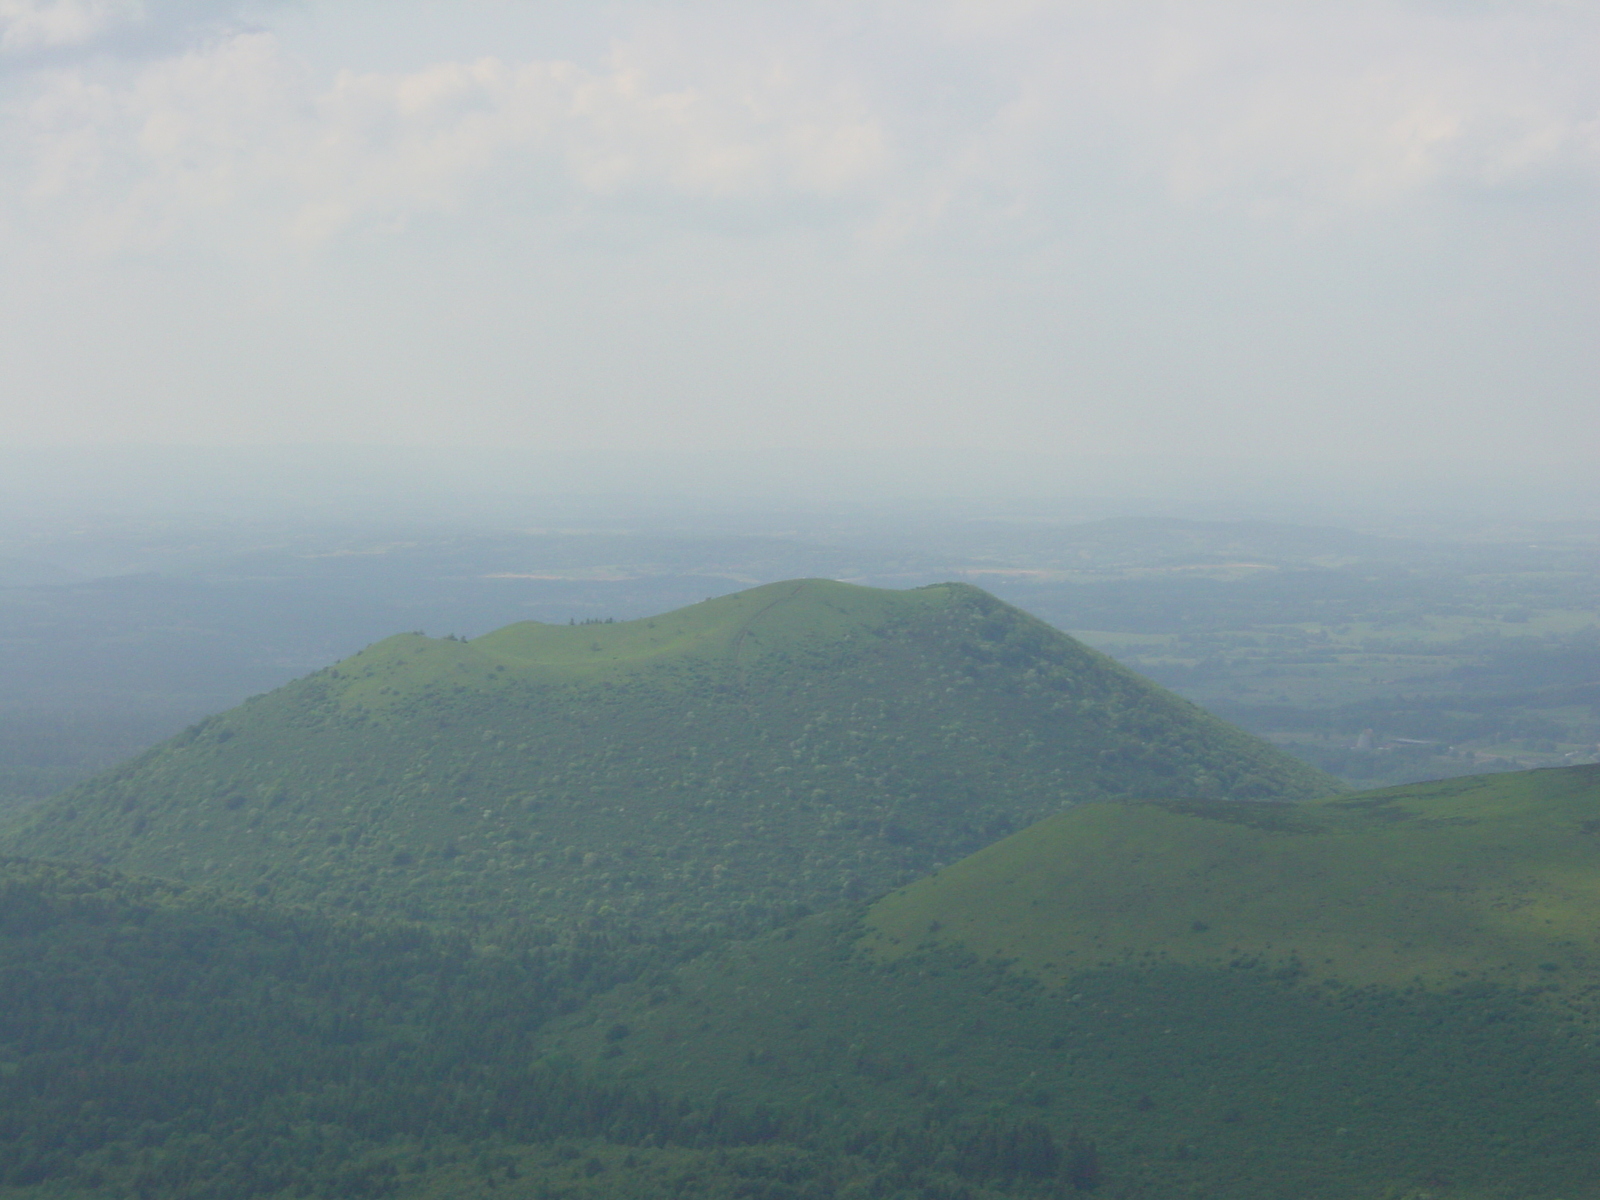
x=1363, y=231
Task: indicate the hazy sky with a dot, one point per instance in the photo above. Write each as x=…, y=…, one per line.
x=1363, y=230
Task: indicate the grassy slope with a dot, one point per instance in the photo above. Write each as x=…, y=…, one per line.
x=1200, y=1071
x=692, y=775
x=1485, y=877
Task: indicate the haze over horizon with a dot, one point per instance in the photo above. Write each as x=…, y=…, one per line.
x=715, y=250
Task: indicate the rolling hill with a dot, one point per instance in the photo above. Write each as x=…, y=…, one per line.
x=1390, y=994
x=705, y=773
x=1488, y=878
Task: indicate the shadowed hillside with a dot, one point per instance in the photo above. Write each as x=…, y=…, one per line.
x=174, y=1043
x=706, y=772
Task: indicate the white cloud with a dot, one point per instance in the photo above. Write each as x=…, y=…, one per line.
x=1288, y=109
x=236, y=132
x=1268, y=109
x=1330, y=115
x=45, y=24
x=842, y=220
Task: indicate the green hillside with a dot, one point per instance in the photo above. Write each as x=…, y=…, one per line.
x=1489, y=878
x=707, y=772
x=169, y=1042
x=1387, y=995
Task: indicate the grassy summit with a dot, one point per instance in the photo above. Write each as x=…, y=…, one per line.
x=696, y=774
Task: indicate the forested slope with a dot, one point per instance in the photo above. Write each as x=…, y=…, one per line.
x=163, y=1041
x=709, y=772
x=382, y=883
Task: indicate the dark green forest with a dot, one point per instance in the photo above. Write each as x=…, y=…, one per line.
x=158, y=1040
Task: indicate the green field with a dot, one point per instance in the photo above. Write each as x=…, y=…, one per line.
x=1434, y=697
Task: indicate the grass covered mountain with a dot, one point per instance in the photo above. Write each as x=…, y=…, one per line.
x=1391, y=994
x=706, y=772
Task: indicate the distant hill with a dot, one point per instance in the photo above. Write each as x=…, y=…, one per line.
x=1386, y=994
x=694, y=775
